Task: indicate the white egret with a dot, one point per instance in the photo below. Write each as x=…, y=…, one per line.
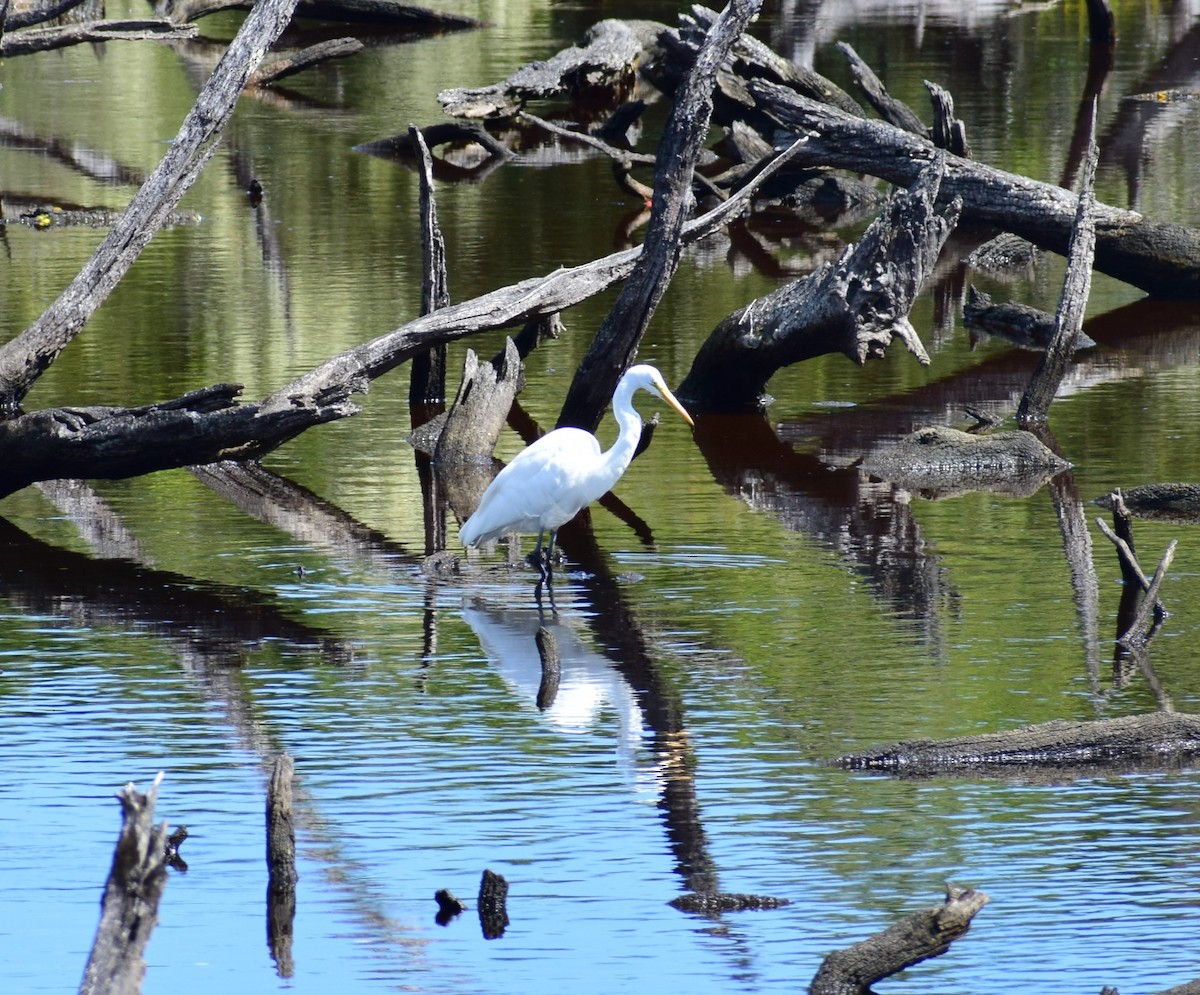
x=556, y=476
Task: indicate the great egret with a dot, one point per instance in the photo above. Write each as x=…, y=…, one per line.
x=554, y=477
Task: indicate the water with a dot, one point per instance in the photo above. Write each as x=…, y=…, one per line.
x=770, y=611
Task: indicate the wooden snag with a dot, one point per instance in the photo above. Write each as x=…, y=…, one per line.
x=551, y=667
x=492, y=905
x=427, y=374
x=129, y=907
x=917, y=937
x=1035, y=402
x=281, y=865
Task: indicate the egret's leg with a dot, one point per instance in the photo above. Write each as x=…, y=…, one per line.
x=550, y=549
x=536, y=556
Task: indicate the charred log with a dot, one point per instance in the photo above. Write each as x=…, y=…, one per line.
x=606, y=64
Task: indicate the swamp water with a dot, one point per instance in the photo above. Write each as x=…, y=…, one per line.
x=785, y=612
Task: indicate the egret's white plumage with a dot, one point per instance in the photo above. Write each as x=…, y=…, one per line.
x=549, y=481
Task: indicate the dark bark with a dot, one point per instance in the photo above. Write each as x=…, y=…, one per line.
x=202, y=427
x=1068, y=321
x=1160, y=258
x=281, y=865
x=427, y=375
x=615, y=344
x=375, y=11
x=129, y=908
x=1154, y=740
x=918, y=937
x=475, y=422
x=949, y=132
x=25, y=16
x=23, y=359
x=607, y=64
x=856, y=307
x=895, y=112
x=492, y=905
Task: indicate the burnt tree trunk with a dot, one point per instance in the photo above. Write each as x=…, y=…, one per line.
x=129, y=908
x=856, y=306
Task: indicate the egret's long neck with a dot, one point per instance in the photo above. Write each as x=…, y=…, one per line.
x=618, y=458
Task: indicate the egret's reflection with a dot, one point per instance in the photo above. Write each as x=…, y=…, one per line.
x=590, y=689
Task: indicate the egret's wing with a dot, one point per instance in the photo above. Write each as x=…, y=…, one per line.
x=542, y=487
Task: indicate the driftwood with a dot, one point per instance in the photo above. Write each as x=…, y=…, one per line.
x=492, y=905
x=938, y=461
x=856, y=307
x=1165, y=502
x=1158, y=257
x=129, y=908
x=1020, y=324
x=607, y=64
x=1043, y=385
x=1154, y=740
x=281, y=865
x=895, y=112
x=615, y=345
x=918, y=937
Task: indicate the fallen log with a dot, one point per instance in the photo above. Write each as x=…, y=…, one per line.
x=389, y=12
x=1153, y=740
x=1020, y=324
x=1160, y=258
x=1174, y=502
x=918, y=937
x=129, y=908
x=31, y=40
x=305, y=58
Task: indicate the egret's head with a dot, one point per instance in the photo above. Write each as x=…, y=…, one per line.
x=646, y=377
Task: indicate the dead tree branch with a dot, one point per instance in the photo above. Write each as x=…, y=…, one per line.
x=129, y=908
x=917, y=937
x=615, y=344
x=1068, y=321
x=23, y=359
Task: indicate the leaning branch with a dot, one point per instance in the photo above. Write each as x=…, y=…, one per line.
x=915, y=938
x=23, y=359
